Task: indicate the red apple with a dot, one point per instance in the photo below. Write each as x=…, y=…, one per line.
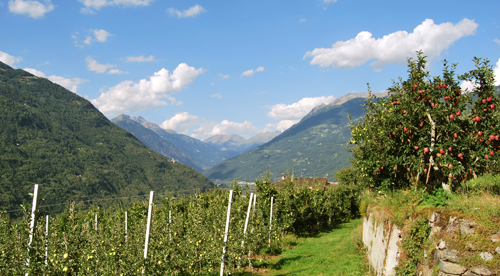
x=425, y=170
x=488, y=99
x=404, y=111
x=452, y=116
x=491, y=153
x=444, y=85
x=449, y=149
x=455, y=135
x=416, y=147
x=492, y=137
x=395, y=168
x=478, y=118
x=450, y=175
x=460, y=155
x=492, y=106
x=420, y=91
x=486, y=156
x=441, y=151
x=405, y=128
x=459, y=113
x=483, y=101
x=479, y=133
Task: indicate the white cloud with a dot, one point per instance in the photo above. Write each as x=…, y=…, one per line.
x=329, y=1
x=33, y=9
x=497, y=40
x=297, y=110
x=222, y=76
x=181, y=122
x=281, y=125
x=302, y=20
x=8, y=59
x=250, y=72
x=99, y=35
x=208, y=129
x=191, y=12
x=69, y=83
x=140, y=58
x=393, y=48
x=128, y=97
x=96, y=67
x=92, y=5
x=116, y=72
x=292, y=113
x=216, y=95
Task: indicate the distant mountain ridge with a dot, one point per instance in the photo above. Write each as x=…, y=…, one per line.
x=316, y=146
x=59, y=140
x=239, y=144
x=202, y=155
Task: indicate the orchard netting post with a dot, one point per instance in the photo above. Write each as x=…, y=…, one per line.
x=170, y=225
x=126, y=226
x=148, y=225
x=271, y=220
x=226, y=231
x=246, y=224
x=46, y=237
x=32, y=223
x=251, y=231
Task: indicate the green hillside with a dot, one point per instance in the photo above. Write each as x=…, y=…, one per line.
x=316, y=146
x=53, y=137
x=154, y=141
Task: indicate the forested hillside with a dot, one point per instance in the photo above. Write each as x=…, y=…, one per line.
x=316, y=146
x=53, y=137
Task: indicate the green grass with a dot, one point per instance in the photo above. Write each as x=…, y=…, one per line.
x=331, y=253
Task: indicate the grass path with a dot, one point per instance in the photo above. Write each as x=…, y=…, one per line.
x=330, y=253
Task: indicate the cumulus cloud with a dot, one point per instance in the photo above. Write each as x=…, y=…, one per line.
x=302, y=20
x=140, y=58
x=292, y=113
x=8, y=59
x=98, y=35
x=497, y=40
x=94, y=5
x=33, y=9
x=250, y=72
x=69, y=83
x=181, y=122
x=116, y=72
x=191, y=12
x=297, y=110
x=208, y=129
x=216, y=95
x=222, y=76
x=96, y=67
x=281, y=125
x=129, y=96
x=392, y=48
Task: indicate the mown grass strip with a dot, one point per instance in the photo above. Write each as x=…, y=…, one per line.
x=329, y=253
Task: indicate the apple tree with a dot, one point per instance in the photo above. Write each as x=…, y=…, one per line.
x=428, y=132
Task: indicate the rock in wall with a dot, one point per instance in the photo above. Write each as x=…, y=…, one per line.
x=381, y=240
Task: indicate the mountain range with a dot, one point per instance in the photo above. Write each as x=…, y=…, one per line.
x=200, y=155
x=53, y=137
x=315, y=146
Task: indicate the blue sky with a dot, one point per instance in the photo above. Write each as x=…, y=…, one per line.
x=236, y=67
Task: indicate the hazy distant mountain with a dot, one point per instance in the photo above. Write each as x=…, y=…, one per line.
x=239, y=144
x=53, y=137
x=154, y=141
x=314, y=146
x=201, y=154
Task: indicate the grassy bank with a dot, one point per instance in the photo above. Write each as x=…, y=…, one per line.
x=328, y=253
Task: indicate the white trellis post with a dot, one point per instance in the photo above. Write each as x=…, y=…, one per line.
x=225, y=232
x=251, y=231
x=46, y=237
x=97, y=241
x=32, y=222
x=170, y=225
x=148, y=225
x=246, y=223
x=271, y=220
x=126, y=226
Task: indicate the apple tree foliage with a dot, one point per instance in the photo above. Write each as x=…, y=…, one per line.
x=428, y=132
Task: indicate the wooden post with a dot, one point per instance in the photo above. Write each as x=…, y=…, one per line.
x=271, y=220
x=148, y=225
x=226, y=231
x=32, y=222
